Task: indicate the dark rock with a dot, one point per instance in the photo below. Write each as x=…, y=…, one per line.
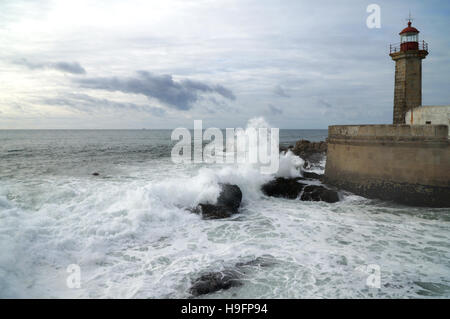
x=283, y=187
x=228, y=203
x=215, y=281
x=230, y=196
x=263, y=261
x=291, y=188
x=319, y=193
x=222, y=280
x=310, y=147
x=312, y=175
x=389, y=285
x=314, y=159
x=95, y=174
x=211, y=211
x=306, y=164
x=311, y=151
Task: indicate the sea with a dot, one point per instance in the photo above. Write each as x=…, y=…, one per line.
x=129, y=233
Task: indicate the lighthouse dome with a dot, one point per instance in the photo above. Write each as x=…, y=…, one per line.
x=409, y=29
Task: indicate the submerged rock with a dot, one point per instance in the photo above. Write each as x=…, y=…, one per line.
x=228, y=203
x=215, y=281
x=291, y=188
x=263, y=261
x=228, y=278
x=283, y=187
x=319, y=193
x=210, y=211
x=312, y=175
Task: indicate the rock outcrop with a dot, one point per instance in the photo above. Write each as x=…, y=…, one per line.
x=293, y=188
x=283, y=187
x=227, y=278
x=306, y=148
x=311, y=152
x=215, y=281
x=319, y=193
x=228, y=203
x=311, y=175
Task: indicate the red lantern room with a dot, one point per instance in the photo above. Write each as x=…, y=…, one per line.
x=409, y=38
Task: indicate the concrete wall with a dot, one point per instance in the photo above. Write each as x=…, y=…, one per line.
x=435, y=114
x=407, y=164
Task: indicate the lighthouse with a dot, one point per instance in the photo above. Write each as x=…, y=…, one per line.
x=407, y=161
x=408, y=55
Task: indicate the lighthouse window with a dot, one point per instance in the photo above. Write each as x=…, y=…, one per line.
x=410, y=38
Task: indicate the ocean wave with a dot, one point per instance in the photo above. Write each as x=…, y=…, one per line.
x=130, y=232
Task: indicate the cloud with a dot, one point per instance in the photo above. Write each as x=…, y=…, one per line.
x=67, y=67
x=89, y=104
x=180, y=95
x=289, y=45
x=273, y=110
x=322, y=102
x=280, y=91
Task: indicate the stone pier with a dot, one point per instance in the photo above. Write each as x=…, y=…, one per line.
x=402, y=163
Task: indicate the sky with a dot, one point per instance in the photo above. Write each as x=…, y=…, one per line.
x=163, y=64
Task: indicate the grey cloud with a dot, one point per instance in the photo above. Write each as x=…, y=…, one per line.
x=73, y=67
x=324, y=103
x=89, y=104
x=225, y=92
x=273, y=110
x=280, y=91
x=180, y=95
x=68, y=67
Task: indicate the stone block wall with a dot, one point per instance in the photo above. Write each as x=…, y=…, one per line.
x=408, y=83
x=403, y=163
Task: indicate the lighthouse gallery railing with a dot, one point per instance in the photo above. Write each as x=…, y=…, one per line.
x=396, y=47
